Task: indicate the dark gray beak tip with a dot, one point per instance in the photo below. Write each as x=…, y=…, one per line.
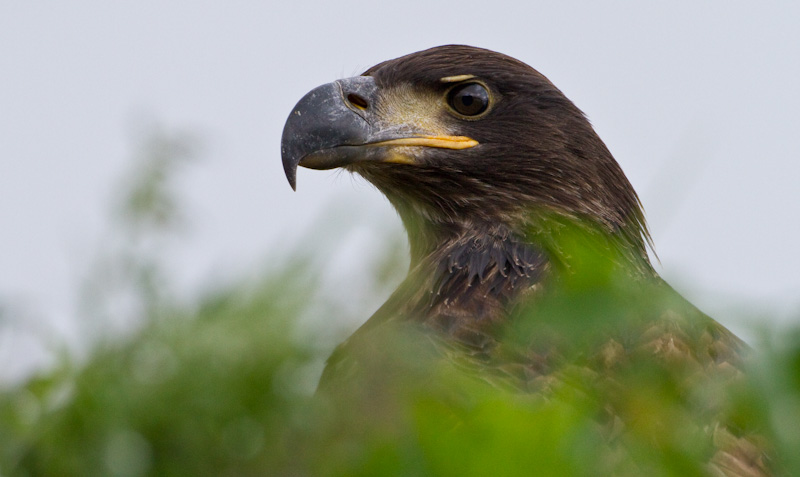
x=289, y=168
x=293, y=182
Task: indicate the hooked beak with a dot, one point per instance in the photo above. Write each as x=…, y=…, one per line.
x=337, y=124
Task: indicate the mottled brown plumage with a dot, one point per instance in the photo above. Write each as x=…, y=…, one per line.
x=493, y=229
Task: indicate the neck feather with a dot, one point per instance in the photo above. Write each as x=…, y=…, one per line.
x=466, y=277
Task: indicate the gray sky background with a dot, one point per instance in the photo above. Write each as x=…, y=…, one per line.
x=698, y=101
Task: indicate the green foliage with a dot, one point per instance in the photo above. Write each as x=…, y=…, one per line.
x=228, y=391
x=192, y=395
x=225, y=385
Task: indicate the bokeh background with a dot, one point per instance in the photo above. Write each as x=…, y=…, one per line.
x=698, y=102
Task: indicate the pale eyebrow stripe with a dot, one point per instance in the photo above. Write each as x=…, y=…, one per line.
x=455, y=79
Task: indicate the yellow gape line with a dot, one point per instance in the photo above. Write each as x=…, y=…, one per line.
x=444, y=142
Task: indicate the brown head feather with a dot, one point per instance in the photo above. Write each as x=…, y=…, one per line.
x=537, y=153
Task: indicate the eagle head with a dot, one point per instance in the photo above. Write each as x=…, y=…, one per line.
x=460, y=137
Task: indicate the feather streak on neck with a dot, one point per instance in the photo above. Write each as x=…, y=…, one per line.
x=471, y=279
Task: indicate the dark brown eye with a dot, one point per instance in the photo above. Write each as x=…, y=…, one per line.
x=469, y=99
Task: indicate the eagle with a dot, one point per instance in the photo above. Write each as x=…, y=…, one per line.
x=508, y=197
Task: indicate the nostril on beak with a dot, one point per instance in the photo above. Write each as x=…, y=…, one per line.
x=357, y=101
